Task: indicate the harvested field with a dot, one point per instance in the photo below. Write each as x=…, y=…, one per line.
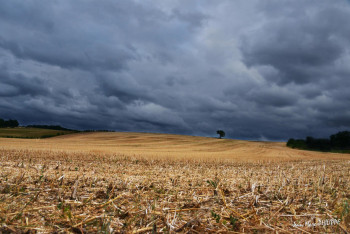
x=134, y=182
x=167, y=146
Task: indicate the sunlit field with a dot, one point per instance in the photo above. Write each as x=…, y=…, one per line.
x=140, y=182
x=167, y=146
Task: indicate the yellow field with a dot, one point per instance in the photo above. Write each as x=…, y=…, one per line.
x=167, y=146
x=144, y=183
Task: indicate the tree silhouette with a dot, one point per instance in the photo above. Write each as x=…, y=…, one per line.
x=341, y=140
x=11, y=123
x=336, y=142
x=221, y=133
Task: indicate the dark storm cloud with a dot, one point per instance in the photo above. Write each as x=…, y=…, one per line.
x=257, y=69
x=68, y=57
x=57, y=34
x=16, y=84
x=302, y=45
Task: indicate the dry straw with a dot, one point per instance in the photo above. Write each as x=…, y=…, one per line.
x=82, y=191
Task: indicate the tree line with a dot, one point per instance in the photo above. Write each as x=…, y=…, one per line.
x=336, y=142
x=53, y=127
x=11, y=123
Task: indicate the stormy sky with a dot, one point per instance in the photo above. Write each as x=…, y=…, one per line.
x=263, y=70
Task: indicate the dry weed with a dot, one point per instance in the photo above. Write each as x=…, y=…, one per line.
x=83, y=192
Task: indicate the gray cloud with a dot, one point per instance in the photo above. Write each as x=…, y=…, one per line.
x=17, y=84
x=302, y=45
x=258, y=70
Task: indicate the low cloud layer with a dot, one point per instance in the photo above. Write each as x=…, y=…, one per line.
x=265, y=70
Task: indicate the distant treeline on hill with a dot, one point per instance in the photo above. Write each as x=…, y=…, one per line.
x=91, y=130
x=53, y=127
x=338, y=142
x=11, y=123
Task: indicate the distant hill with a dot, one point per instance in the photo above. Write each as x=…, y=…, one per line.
x=31, y=132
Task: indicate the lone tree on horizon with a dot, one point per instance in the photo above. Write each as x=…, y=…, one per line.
x=221, y=133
